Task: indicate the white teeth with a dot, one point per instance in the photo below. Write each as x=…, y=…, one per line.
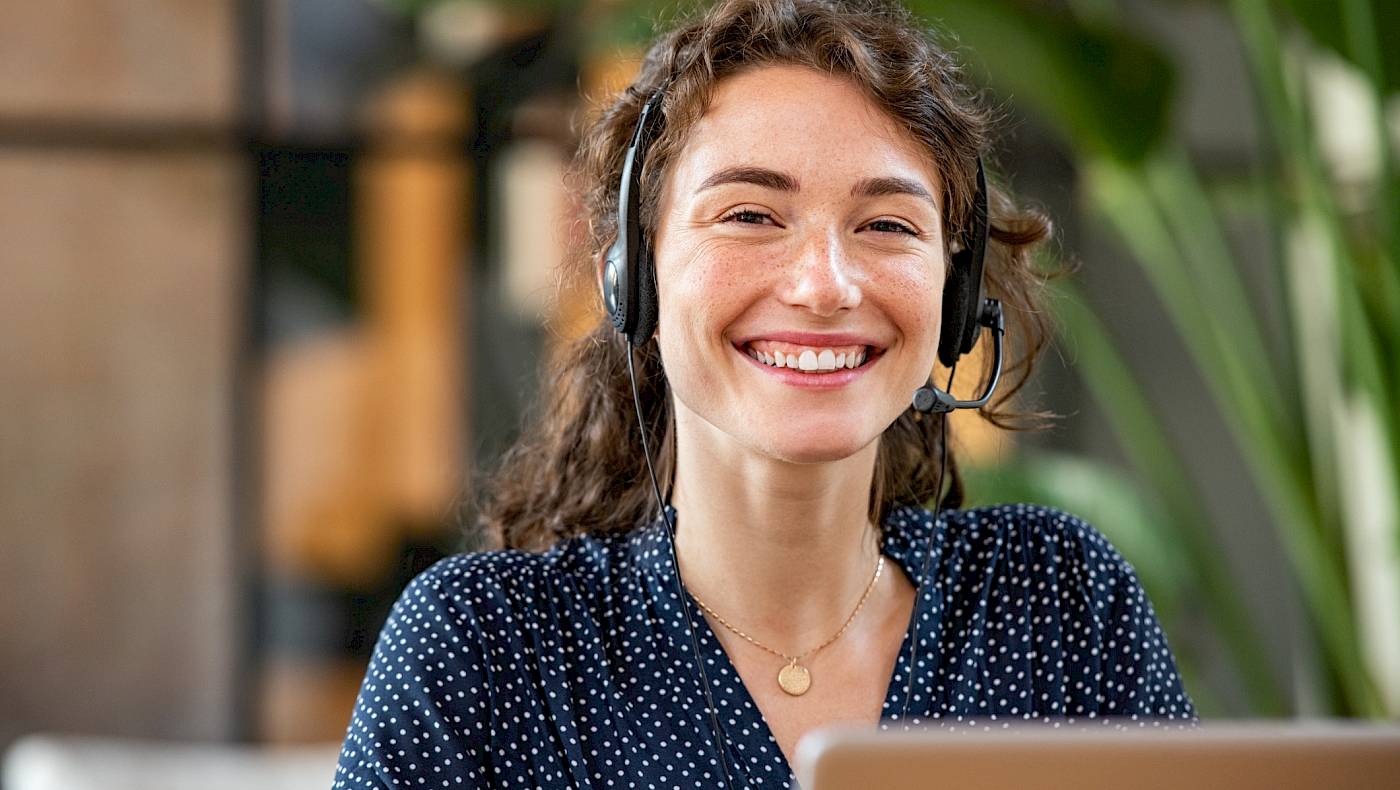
x=811, y=360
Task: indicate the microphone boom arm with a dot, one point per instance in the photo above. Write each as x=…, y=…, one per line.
x=929, y=398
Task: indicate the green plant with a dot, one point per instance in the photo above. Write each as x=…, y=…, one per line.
x=1316, y=425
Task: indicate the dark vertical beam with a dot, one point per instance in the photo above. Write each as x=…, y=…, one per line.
x=247, y=517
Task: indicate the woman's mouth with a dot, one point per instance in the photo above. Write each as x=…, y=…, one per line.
x=821, y=367
x=807, y=359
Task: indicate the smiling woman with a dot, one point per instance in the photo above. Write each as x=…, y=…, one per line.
x=785, y=244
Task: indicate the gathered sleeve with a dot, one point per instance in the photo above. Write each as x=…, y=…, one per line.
x=1051, y=620
x=1139, y=672
x=426, y=697
x=1111, y=629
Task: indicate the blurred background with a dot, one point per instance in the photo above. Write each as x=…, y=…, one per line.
x=278, y=276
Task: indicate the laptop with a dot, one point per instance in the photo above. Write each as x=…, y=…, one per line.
x=1225, y=755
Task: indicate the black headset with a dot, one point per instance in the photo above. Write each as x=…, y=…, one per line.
x=629, y=276
x=629, y=296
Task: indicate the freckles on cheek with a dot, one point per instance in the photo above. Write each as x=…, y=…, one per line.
x=918, y=300
x=715, y=287
x=722, y=277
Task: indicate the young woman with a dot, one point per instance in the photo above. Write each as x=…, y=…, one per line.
x=803, y=193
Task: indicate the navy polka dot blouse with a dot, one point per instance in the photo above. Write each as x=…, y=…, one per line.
x=574, y=667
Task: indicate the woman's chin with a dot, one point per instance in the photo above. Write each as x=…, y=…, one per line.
x=814, y=448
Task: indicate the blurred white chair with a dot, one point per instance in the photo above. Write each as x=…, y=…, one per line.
x=50, y=762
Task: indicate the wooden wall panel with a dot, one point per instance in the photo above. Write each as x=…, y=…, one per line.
x=140, y=61
x=118, y=326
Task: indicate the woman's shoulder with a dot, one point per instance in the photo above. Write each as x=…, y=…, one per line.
x=460, y=641
x=1033, y=525
x=1020, y=522
x=1043, y=585
x=502, y=581
x=1028, y=541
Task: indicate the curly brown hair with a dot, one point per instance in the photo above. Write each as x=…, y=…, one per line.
x=578, y=468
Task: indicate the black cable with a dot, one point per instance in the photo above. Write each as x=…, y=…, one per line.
x=685, y=607
x=928, y=552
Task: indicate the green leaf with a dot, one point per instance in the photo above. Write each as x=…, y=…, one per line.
x=1108, y=92
x=1325, y=23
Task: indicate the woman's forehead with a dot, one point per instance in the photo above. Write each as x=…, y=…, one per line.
x=816, y=128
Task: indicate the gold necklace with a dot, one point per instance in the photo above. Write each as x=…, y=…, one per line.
x=794, y=678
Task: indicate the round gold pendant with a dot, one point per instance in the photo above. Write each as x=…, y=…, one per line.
x=795, y=679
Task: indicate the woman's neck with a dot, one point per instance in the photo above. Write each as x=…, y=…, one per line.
x=783, y=551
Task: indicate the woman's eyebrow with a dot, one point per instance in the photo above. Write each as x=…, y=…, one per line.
x=743, y=174
x=891, y=185
x=772, y=179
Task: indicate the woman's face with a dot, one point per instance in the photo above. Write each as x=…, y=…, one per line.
x=799, y=225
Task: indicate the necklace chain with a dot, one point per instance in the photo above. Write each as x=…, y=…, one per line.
x=879, y=567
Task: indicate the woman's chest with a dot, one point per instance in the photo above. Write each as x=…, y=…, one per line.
x=849, y=683
x=836, y=696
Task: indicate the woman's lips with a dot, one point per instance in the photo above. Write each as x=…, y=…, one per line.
x=811, y=339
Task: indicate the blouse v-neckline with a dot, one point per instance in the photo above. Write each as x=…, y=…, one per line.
x=904, y=539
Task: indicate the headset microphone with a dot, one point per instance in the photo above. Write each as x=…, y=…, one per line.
x=929, y=398
x=965, y=312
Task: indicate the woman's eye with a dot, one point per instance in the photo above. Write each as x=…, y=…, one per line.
x=746, y=217
x=890, y=226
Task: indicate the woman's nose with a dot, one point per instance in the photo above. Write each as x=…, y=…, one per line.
x=823, y=276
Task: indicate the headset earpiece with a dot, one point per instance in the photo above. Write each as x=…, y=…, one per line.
x=629, y=282
x=962, y=292
x=965, y=312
